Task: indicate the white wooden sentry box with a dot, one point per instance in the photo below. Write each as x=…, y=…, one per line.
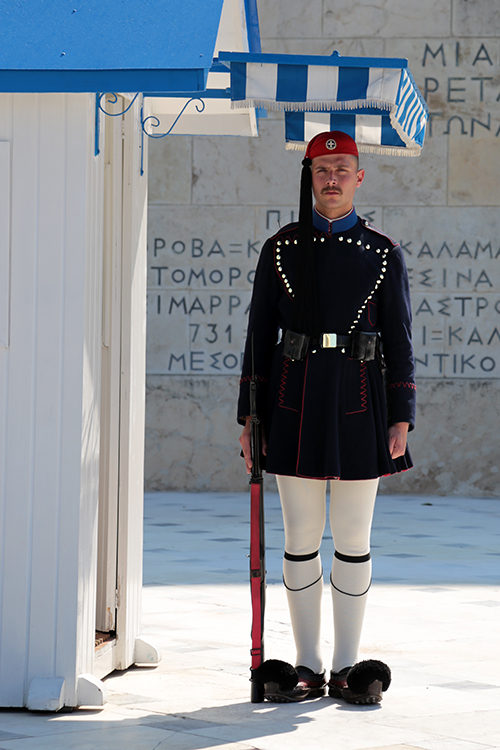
x=73, y=216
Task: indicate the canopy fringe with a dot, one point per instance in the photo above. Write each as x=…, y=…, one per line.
x=364, y=148
x=324, y=106
x=389, y=150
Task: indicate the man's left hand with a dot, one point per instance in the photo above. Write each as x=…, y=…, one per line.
x=397, y=438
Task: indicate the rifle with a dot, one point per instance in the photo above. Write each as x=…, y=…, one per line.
x=257, y=543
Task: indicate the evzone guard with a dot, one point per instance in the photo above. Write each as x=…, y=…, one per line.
x=330, y=321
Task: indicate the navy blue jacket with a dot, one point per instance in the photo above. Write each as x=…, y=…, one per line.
x=326, y=416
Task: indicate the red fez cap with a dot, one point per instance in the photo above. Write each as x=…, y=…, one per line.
x=334, y=142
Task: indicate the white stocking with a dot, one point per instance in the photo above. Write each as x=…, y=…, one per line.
x=351, y=513
x=304, y=515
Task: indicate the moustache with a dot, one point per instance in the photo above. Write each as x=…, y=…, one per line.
x=331, y=190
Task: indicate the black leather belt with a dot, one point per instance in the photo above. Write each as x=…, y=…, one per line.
x=359, y=344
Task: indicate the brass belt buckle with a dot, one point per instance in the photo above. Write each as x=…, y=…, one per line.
x=329, y=341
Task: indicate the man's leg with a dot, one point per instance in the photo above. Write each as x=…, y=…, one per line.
x=304, y=515
x=351, y=513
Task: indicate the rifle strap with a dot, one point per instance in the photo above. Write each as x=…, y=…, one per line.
x=256, y=573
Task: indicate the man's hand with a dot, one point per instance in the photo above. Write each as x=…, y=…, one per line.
x=245, y=444
x=397, y=438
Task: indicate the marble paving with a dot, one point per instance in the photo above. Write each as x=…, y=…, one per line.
x=433, y=615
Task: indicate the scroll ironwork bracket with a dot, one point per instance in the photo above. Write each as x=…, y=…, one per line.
x=154, y=122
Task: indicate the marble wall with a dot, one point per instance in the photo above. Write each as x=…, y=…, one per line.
x=213, y=201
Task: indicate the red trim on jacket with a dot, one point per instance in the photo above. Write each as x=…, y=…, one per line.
x=364, y=397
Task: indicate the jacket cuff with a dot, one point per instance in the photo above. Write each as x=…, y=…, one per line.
x=243, y=401
x=402, y=403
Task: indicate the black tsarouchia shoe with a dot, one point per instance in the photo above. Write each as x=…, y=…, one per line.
x=286, y=684
x=362, y=684
x=314, y=682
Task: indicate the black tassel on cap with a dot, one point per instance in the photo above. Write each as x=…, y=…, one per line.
x=305, y=317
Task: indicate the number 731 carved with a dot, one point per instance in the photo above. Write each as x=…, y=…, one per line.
x=212, y=330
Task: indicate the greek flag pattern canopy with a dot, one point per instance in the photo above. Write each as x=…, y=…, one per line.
x=374, y=100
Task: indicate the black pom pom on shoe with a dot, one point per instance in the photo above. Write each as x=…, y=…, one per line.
x=281, y=682
x=277, y=671
x=364, y=673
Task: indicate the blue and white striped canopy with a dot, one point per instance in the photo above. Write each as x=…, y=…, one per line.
x=375, y=100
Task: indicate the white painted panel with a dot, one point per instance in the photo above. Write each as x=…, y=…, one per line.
x=48, y=385
x=89, y=499
x=53, y=371
x=111, y=375
x=89, y=488
x=4, y=241
x=132, y=392
x=72, y=333
x=51, y=374
x=94, y=314
x=20, y=412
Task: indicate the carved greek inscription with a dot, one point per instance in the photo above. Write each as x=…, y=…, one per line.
x=456, y=307
x=198, y=299
x=460, y=80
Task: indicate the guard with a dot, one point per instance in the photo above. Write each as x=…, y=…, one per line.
x=330, y=321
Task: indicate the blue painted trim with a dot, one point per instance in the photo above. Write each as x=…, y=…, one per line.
x=142, y=138
x=97, y=127
x=207, y=94
x=332, y=60
x=97, y=81
x=253, y=31
x=107, y=34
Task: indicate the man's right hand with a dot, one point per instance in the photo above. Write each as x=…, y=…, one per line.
x=245, y=444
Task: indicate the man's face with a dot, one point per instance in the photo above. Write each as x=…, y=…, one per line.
x=335, y=178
